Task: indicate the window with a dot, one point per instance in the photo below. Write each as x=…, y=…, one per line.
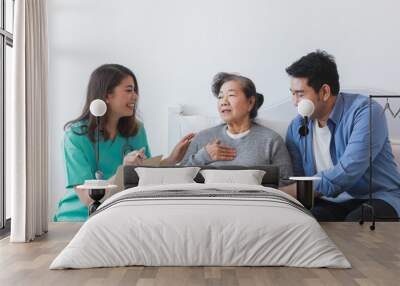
x=6, y=44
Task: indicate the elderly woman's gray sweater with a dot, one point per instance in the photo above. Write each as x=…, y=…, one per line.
x=261, y=146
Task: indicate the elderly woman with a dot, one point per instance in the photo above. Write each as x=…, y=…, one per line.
x=239, y=141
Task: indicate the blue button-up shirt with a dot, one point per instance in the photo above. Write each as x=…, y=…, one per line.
x=349, y=150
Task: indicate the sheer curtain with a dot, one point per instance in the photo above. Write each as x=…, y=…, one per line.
x=28, y=123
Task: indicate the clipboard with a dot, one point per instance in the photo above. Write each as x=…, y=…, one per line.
x=153, y=161
x=119, y=175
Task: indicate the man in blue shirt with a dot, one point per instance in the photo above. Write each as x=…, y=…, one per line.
x=337, y=145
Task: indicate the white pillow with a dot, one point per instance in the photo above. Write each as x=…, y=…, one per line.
x=163, y=176
x=248, y=177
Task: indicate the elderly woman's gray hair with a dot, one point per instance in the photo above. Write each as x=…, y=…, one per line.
x=247, y=85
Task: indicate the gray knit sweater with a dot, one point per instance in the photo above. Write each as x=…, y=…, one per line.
x=261, y=146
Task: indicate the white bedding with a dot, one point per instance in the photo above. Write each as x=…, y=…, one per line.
x=182, y=231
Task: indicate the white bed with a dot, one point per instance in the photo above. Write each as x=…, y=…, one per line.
x=189, y=231
x=205, y=231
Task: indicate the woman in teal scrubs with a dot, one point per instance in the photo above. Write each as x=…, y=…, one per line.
x=121, y=133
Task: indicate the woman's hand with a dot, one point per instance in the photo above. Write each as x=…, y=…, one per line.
x=135, y=158
x=220, y=152
x=179, y=150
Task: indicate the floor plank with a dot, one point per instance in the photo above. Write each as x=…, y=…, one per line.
x=374, y=255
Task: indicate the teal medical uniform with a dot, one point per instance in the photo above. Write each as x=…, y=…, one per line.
x=80, y=162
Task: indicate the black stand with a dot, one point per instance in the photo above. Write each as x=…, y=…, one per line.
x=305, y=194
x=303, y=132
x=368, y=204
x=305, y=190
x=96, y=195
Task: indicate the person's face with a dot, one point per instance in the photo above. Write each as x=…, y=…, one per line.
x=300, y=89
x=233, y=105
x=123, y=99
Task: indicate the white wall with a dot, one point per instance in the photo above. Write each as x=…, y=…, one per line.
x=175, y=47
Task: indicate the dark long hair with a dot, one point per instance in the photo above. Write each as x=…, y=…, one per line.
x=102, y=82
x=247, y=85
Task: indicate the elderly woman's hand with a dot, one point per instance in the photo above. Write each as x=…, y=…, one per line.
x=179, y=150
x=220, y=152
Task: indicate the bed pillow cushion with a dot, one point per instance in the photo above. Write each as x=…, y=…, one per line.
x=248, y=177
x=166, y=176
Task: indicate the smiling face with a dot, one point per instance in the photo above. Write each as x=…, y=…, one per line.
x=122, y=101
x=300, y=89
x=233, y=105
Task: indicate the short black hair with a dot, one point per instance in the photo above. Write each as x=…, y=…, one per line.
x=319, y=68
x=247, y=85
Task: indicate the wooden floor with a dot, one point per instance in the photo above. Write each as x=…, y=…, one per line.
x=374, y=255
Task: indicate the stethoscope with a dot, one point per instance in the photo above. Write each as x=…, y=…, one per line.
x=126, y=148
